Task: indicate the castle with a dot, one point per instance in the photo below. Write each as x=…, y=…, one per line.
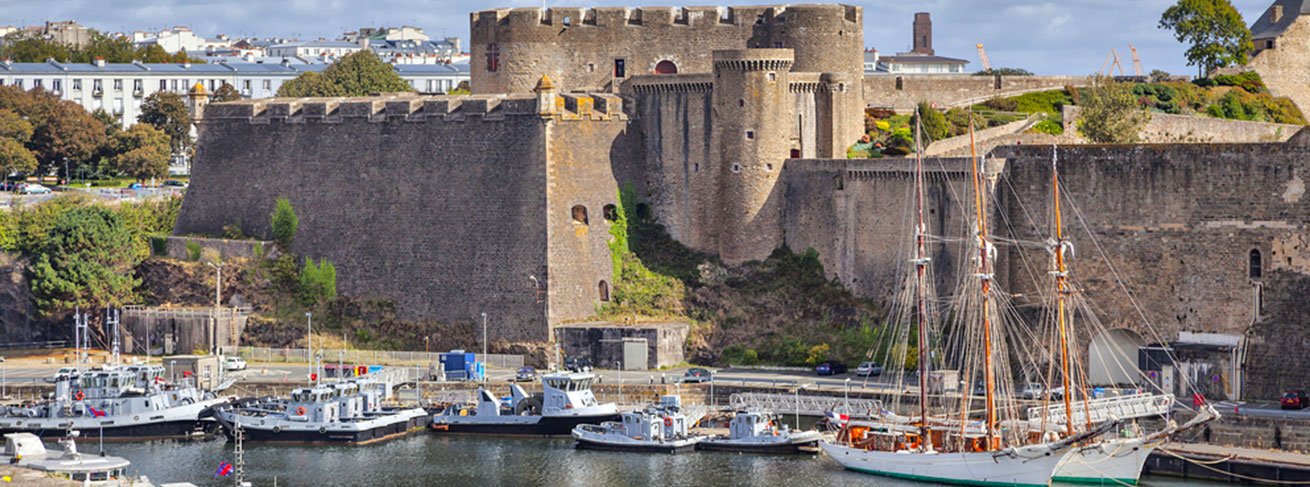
x=730, y=126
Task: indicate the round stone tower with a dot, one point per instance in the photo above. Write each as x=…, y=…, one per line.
x=753, y=110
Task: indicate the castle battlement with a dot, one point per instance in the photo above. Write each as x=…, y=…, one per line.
x=663, y=83
x=554, y=18
x=414, y=108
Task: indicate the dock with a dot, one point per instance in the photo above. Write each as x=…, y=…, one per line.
x=1201, y=461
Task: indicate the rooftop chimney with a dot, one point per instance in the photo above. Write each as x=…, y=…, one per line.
x=99, y=62
x=922, y=34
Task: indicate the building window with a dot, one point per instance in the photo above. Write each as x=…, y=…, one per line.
x=96, y=86
x=620, y=68
x=245, y=86
x=18, y=83
x=1269, y=44
x=163, y=85
x=118, y=84
x=1255, y=269
x=736, y=168
x=604, y=288
x=591, y=67
x=36, y=83
x=666, y=67
x=777, y=45
x=57, y=85
x=580, y=214
x=493, y=57
x=268, y=85
x=138, y=85
x=77, y=85
x=773, y=76
x=173, y=83
x=768, y=168
x=611, y=212
x=750, y=135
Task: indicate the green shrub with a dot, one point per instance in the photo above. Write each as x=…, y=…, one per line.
x=318, y=283
x=739, y=355
x=1049, y=102
x=284, y=222
x=1248, y=81
x=233, y=231
x=934, y=125
x=1049, y=126
x=1002, y=104
x=192, y=251
x=258, y=250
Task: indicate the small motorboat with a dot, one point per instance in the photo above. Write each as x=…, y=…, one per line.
x=761, y=432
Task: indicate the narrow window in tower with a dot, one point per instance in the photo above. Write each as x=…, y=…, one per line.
x=773, y=76
x=741, y=102
x=493, y=57
x=750, y=135
x=768, y=168
x=1255, y=269
x=591, y=67
x=620, y=68
x=580, y=214
x=777, y=45
x=695, y=167
x=611, y=212
x=736, y=168
x=604, y=288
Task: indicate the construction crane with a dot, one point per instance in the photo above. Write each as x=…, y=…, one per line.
x=982, y=56
x=1112, y=62
x=1137, y=62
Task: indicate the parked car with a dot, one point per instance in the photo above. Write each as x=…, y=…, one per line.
x=525, y=374
x=136, y=186
x=698, y=375
x=1295, y=400
x=173, y=183
x=831, y=367
x=868, y=369
x=234, y=363
x=577, y=364
x=33, y=188
x=1032, y=391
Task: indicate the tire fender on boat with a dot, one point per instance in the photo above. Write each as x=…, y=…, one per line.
x=322, y=430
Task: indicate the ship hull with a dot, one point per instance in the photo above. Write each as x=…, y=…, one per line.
x=544, y=426
x=1029, y=466
x=677, y=447
x=786, y=448
x=1116, y=461
x=162, y=430
x=371, y=431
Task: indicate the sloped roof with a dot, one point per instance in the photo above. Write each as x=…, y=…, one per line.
x=1265, y=27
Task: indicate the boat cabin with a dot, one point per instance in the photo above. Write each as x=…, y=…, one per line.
x=751, y=424
x=564, y=391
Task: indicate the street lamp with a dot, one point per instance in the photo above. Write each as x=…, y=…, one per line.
x=848, y=395
x=425, y=343
x=309, y=344
x=484, y=337
x=218, y=284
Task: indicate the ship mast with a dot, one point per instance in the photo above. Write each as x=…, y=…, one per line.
x=921, y=270
x=985, y=280
x=1061, y=289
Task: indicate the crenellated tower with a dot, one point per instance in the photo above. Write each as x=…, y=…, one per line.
x=753, y=110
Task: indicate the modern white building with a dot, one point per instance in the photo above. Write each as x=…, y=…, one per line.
x=312, y=49
x=120, y=88
x=179, y=39
x=907, y=63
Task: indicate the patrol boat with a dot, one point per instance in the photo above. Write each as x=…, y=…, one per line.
x=565, y=402
x=657, y=429
x=124, y=403
x=26, y=450
x=759, y=432
x=348, y=412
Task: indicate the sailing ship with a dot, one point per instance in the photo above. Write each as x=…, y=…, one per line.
x=940, y=449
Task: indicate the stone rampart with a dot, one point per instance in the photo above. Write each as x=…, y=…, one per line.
x=903, y=92
x=980, y=138
x=1165, y=128
x=176, y=247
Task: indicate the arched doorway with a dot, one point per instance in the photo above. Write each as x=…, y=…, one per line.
x=1112, y=358
x=604, y=289
x=666, y=67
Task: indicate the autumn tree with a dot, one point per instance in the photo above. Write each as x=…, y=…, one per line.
x=1110, y=113
x=1214, y=30
x=15, y=132
x=167, y=112
x=357, y=74
x=63, y=133
x=142, y=152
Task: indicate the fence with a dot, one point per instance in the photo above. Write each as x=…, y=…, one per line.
x=379, y=357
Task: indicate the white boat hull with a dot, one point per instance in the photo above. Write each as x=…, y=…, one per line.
x=1024, y=466
x=1116, y=461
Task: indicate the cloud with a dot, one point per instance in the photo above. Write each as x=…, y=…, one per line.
x=1064, y=37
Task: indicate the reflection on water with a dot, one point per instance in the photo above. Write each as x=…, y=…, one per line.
x=465, y=460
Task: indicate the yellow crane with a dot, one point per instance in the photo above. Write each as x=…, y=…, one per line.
x=1112, y=62
x=1137, y=62
x=982, y=56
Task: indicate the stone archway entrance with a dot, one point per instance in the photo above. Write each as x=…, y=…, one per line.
x=1112, y=358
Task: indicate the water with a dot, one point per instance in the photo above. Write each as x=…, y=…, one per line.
x=465, y=460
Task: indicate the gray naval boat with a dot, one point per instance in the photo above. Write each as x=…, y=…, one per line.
x=761, y=432
x=565, y=402
x=117, y=403
x=660, y=428
x=348, y=412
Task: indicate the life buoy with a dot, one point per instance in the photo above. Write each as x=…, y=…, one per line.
x=668, y=422
x=322, y=430
x=300, y=411
x=79, y=395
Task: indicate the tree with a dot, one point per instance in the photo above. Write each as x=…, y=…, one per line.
x=85, y=261
x=1215, y=30
x=1111, y=113
x=143, y=152
x=13, y=126
x=357, y=74
x=167, y=112
x=462, y=88
x=318, y=282
x=1004, y=72
x=64, y=134
x=15, y=158
x=284, y=223
x=225, y=93
x=935, y=126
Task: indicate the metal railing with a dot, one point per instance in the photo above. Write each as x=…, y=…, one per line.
x=1104, y=409
x=377, y=357
x=805, y=405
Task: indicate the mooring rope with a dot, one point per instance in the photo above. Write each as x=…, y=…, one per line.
x=1208, y=466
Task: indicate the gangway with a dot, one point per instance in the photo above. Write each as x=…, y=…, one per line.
x=1103, y=409
x=806, y=405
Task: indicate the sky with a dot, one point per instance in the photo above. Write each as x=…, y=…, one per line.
x=1047, y=37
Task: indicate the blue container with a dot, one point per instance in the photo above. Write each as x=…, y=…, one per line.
x=374, y=368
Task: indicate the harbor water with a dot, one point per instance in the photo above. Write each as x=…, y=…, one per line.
x=466, y=460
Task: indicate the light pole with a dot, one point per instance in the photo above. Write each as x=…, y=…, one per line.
x=425, y=344
x=218, y=284
x=309, y=344
x=848, y=395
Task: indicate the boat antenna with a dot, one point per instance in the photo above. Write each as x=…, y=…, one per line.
x=921, y=269
x=1061, y=289
x=985, y=280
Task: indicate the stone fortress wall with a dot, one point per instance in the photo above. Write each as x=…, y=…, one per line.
x=903, y=92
